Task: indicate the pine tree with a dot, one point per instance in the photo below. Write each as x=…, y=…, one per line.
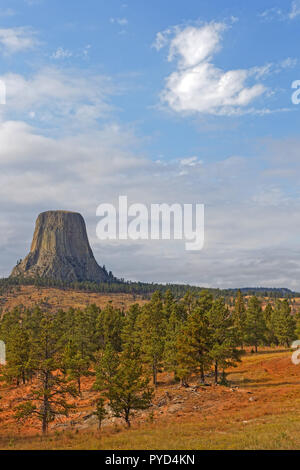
x=297, y=318
x=49, y=397
x=109, y=327
x=173, y=330
x=152, y=324
x=239, y=318
x=193, y=340
x=106, y=369
x=284, y=323
x=270, y=336
x=122, y=380
x=129, y=390
x=168, y=304
x=100, y=412
x=130, y=335
x=255, y=327
x=224, y=338
x=18, y=362
x=76, y=364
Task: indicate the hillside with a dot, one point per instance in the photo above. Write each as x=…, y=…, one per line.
x=259, y=410
x=54, y=299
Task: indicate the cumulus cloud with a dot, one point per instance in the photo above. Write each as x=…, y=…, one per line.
x=198, y=86
x=13, y=40
x=52, y=95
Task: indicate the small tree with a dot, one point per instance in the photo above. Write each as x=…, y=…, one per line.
x=122, y=381
x=129, y=391
x=100, y=412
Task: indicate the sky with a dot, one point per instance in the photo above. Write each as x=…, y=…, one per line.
x=165, y=102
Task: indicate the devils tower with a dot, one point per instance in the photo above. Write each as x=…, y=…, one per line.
x=60, y=250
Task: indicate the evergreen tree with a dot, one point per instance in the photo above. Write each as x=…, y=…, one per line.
x=173, y=330
x=49, y=397
x=106, y=369
x=100, y=412
x=297, y=319
x=130, y=335
x=18, y=362
x=255, y=327
x=224, y=338
x=76, y=364
x=239, y=318
x=168, y=304
x=129, y=390
x=284, y=323
x=109, y=327
x=152, y=324
x=270, y=337
x=121, y=380
x=193, y=342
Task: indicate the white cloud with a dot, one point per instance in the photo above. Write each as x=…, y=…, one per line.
x=194, y=45
x=276, y=13
x=271, y=13
x=198, y=85
x=119, y=21
x=55, y=95
x=13, y=40
x=61, y=53
x=161, y=39
x=295, y=9
x=190, y=161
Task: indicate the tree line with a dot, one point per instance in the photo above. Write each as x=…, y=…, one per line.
x=114, y=286
x=125, y=350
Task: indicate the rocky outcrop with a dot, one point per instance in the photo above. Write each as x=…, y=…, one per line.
x=60, y=250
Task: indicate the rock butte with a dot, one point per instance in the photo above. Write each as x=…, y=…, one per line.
x=60, y=250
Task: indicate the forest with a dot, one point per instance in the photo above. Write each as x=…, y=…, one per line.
x=124, y=350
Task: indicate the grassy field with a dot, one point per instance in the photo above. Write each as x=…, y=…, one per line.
x=262, y=413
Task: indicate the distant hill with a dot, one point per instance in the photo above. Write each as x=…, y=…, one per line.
x=115, y=286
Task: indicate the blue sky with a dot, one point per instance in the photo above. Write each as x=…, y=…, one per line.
x=166, y=102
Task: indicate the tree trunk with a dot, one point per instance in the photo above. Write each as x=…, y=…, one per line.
x=216, y=372
x=45, y=404
x=79, y=385
x=45, y=424
x=256, y=348
x=202, y=377
x=127, y=418
x=154, y=376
